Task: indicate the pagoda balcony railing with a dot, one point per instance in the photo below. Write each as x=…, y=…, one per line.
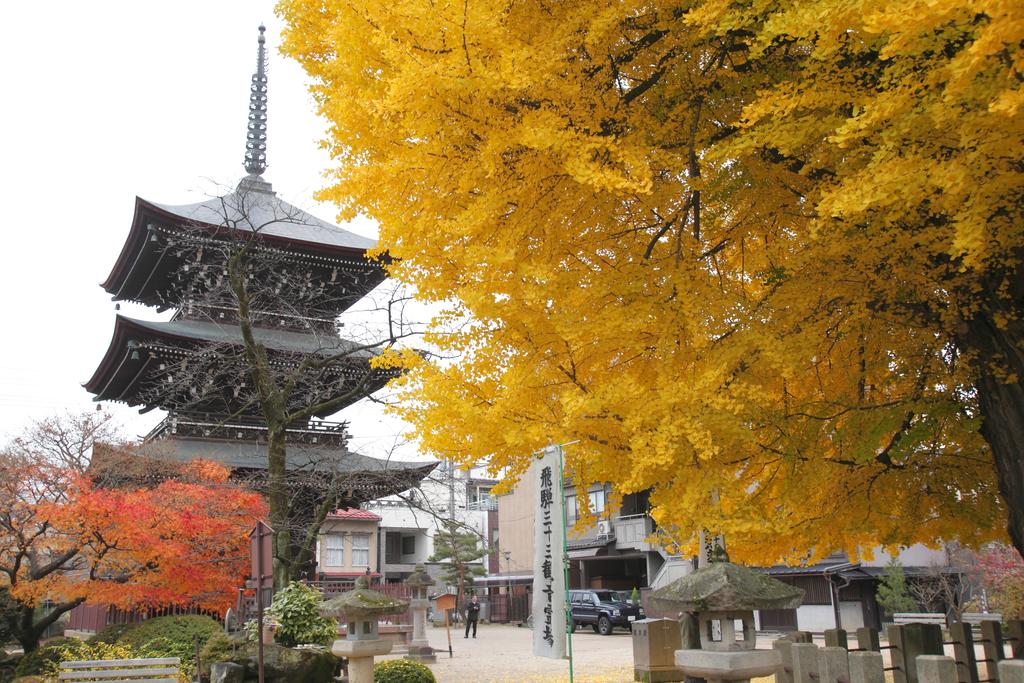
x=261, y=318
x=243, y=428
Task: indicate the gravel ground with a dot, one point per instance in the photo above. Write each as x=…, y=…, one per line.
x=504, y=654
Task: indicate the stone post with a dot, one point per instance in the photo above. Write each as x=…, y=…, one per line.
x=936, y=669
x=419, y=647
x=805, y=662
x=1011, y=671
x=992, y=644
x=836, y=637
x=866, y=667
x=963, y=651
x=907, y=643
x=833, y=665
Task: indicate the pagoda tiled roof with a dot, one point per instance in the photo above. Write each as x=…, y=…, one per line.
x=145, y=270
x=365, y=478
x=277, y=340
x=124, y=370
x=252, y=454
x=271, y=216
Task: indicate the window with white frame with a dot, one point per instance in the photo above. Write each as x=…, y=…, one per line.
x=571, y=510
x=334, y=550
x=360, y=550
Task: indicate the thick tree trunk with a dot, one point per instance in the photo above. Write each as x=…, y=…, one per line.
x=277, y=499
x=28, y=630
x=1001, y=400
x=27, y=636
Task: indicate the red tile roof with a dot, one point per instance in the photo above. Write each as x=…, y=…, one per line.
x=355, y=513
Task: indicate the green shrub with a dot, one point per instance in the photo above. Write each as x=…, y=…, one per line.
x=171, y=637
x=402, y=671
x=45, y=661
x=35, y=662
x=221, y=648
x=179, y=630
x=296, y=610
x=111, y=634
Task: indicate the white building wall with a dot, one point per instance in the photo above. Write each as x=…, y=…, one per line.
x=429, y=511
x=815, y=618
x=915, y=556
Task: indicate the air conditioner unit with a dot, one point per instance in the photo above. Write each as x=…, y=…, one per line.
x=604, y=527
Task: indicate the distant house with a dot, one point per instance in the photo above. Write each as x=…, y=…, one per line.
x=842, y=594
x=409, y=521
x=610, y=551
x=613, y=552
x=348, y=544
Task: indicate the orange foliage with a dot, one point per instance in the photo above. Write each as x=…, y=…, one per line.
x=182, y=541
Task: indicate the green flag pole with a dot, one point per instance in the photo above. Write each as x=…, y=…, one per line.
x=565, y=556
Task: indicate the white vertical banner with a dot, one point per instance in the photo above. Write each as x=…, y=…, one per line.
x=548, y=556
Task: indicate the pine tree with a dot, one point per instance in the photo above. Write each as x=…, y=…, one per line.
x=893, y=595
x=460, y=548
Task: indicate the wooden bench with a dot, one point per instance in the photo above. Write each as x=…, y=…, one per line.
x=975, y=618
x=157, y=670
x=902, y=618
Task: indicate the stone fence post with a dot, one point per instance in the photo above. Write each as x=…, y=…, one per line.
x=936, y=669
x=1011, y=671
x=867, y=667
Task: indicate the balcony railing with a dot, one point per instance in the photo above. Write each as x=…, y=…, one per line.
x=249, y=429
x=631, y=532
x=485, y=503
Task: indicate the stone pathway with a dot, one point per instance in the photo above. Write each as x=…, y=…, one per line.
x=504, y=654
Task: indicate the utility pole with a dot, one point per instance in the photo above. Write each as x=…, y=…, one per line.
x=451, y=489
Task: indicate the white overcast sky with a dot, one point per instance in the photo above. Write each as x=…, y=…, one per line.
x=102, y=101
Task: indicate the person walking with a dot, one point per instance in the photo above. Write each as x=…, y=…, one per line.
x=472, y=615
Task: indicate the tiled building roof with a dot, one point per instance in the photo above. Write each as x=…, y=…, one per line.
x=355, y=513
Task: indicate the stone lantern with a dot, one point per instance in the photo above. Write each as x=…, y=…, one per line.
x=360, y=608
x=419, y=649
x=723, y=596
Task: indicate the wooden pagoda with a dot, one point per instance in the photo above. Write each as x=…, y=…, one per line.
x=308, y=273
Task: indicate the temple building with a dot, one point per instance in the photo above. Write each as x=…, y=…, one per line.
x=300, y=275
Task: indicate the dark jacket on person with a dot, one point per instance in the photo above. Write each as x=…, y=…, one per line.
x=472, y=611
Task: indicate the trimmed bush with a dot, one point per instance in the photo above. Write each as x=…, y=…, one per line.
x=296, y=610
x=402, y=671
x=171, y=637
x=175, y=632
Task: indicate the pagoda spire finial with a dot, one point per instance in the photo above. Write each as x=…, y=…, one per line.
x=256, y=137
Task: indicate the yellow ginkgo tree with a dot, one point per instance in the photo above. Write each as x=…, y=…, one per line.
x=766, y=249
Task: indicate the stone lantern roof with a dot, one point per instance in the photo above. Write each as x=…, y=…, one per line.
x=419, y=578
x=362, y=603
x=725, y=587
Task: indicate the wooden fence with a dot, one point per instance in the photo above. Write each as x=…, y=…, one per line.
x=509, y=608
x=917, y=653
x=95, y=618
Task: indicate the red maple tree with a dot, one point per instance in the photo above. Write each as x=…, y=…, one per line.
x=67, y=540
x=1002, y=574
